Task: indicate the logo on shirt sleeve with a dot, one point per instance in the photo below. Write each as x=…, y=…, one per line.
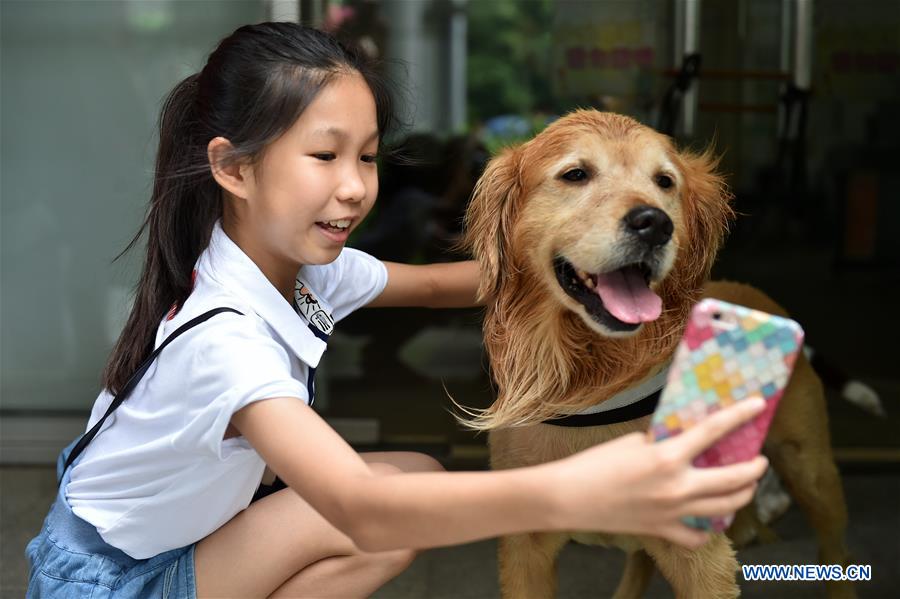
x=309, y=307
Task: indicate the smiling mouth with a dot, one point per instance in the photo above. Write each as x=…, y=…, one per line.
x=620, y=299
x=335, y=226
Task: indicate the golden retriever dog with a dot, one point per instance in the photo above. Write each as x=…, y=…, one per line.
x=595, y=239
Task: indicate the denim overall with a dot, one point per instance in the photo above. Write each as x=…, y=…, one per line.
x=69, y=560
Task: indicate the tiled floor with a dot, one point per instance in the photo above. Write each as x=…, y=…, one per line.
x=469, y=571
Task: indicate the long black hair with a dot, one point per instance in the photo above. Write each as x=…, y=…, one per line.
x=254, y=86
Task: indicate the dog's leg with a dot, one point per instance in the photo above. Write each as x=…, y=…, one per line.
x=528, y=565
x=816, y=486
x=799, y=447
x=709, y=572
x=636, y=576
x=748, y=527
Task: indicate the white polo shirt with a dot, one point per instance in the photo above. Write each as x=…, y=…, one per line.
x=158, y=475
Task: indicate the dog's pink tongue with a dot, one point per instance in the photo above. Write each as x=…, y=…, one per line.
x=627, y=297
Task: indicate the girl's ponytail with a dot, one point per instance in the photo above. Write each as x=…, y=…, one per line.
x=184, y=205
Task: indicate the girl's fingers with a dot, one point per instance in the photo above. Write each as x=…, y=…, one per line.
x=721, y=505
x=720, y=480
x=709, y=430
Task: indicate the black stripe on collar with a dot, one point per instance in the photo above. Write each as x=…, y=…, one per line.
x=644, y=407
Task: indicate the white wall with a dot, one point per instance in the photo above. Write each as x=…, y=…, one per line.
x=82, y=82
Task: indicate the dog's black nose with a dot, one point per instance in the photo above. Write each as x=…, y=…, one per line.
x=650, y=225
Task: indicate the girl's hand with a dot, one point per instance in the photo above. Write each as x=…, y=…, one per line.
x=633, y=485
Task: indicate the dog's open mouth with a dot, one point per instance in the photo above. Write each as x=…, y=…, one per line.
x=620, y=299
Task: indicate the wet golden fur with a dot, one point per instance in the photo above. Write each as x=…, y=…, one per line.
x=548, y=357
x=525, y=325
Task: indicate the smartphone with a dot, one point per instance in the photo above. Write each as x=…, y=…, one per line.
x=728, y=353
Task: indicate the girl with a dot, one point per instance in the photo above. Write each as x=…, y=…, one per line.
x=266, y=164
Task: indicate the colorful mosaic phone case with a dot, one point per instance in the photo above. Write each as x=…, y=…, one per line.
x=728, y=353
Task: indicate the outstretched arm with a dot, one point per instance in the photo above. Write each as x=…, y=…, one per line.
x=628, y=485
x=441, y=285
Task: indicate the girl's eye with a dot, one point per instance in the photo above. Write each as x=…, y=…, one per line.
x=324, y=156
x=370, y=158
x=575, y=175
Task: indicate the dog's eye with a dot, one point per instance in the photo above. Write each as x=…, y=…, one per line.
x=664, y=181
x=575, y=175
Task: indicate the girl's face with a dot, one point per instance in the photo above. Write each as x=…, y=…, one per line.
x=314, y=185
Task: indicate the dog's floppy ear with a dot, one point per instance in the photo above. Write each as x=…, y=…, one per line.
x=488, y=221
x=708, y=210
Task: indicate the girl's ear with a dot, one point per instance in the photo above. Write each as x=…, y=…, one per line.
x=234, y=177
x=488, y=220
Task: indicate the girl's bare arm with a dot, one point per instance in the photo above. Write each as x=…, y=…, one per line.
x=627, y=485
x=440, y=285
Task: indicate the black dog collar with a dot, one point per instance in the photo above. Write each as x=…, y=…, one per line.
x=644, y=407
